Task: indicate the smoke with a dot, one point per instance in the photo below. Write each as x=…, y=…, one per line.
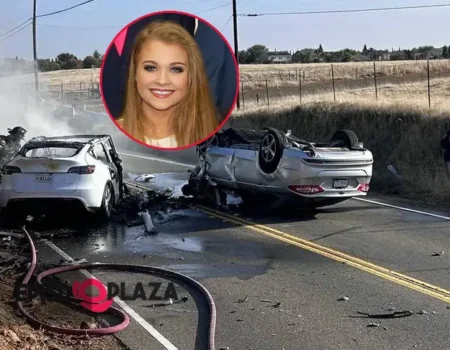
x=20, y=107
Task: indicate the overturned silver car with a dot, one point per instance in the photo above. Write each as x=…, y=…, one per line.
x=270, y=163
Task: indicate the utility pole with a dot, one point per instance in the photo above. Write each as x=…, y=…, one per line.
x=236, y=49
x=36, y=81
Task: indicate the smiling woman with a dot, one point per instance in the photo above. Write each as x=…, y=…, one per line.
x=168, y=101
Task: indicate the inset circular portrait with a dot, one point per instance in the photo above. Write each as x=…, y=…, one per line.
x=169, y=80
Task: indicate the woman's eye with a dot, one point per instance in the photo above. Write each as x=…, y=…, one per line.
x=178, y=69
x=150, y=68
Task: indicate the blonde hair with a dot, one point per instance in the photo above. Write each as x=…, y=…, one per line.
x=196, y=115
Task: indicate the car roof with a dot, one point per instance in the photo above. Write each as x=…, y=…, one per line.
x=70, y=139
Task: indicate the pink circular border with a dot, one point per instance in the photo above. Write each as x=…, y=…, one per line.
x=233, y=105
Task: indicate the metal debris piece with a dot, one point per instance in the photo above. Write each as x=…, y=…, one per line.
x=345, y=298
x=12, y=234
x=243, y=300
x=396, y=314
x=373, y=325
x=142, y=199
x=422, y=312
x=437, y=254
x=239, y=320
x=74, y=262
x=144, y=178
x=277, y=305
x=149, y=226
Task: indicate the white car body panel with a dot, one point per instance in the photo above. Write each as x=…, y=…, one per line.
x=48, y=179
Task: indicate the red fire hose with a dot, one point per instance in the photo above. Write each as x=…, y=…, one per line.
x=125, y=319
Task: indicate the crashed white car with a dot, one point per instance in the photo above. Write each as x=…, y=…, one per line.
x=56, y=172
x=249, y=163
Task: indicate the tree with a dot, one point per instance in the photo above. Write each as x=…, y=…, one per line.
x=445, y=51
x=258, y=53
x=364, y=49
x=65, y=57
x=90, y=61
x=97, y=55
x=244, y=56
x=72, y=63
x=320, y=49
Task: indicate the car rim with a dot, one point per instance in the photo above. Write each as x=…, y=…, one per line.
x=108, y=200
x=269, y=148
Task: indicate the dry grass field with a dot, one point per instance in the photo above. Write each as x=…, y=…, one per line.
x=410, y=97
x=286, y=73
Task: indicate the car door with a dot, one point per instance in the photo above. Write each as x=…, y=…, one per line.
x=112, y=168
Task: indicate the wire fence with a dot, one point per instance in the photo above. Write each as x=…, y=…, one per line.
x=335, y=81
x=270, y=86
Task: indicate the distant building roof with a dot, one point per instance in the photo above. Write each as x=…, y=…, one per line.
x=278, y=53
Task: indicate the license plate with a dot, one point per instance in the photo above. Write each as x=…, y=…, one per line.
x=43, y=179
x=340, y=183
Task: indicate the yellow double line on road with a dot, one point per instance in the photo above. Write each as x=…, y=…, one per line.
x=412, y=283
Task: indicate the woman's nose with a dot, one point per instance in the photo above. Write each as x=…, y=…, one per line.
x=162, y=77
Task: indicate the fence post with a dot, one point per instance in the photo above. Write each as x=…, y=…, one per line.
x=289, y=75
x=300, y=88
x=356, y=73
x=375, y=79
x=257, y=98
x=429, y=88
x=267, y=93
x=332, y=78
x=242, y=94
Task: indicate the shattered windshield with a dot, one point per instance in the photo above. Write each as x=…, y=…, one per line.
x=50, y=152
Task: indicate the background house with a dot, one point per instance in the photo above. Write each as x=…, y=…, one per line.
x=279, y=56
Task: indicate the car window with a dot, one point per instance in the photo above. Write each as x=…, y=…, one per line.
x=100, y=153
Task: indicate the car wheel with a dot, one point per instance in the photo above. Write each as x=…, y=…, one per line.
x=344, y=138
x=107, y=202
x=271, y=150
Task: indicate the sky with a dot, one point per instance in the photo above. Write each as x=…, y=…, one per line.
x=93, y=26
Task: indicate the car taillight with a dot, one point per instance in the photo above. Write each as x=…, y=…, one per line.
x=363, y=187
x=9, y=170
x=306, y=189
x=89, y=169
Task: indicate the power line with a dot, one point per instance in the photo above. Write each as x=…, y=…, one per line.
x=229, y=19
x=43, y=15
x=213, y=8
x=342, y=11
x=16, y=32
x=20, y=25
x=80, y=27
x=64, y=10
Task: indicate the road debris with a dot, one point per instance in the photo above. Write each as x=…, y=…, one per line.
x=345, y=298
x=438, y=254
x=396, y=314
x=148, y=222
x=422, y=312
x=243, y=300
x=144, y=178
x=373, y=325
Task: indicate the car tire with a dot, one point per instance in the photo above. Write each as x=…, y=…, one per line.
x=271, y=150
x=344, y=138
x=105, y=211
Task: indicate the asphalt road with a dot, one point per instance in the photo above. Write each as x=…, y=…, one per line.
x=289, y=294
